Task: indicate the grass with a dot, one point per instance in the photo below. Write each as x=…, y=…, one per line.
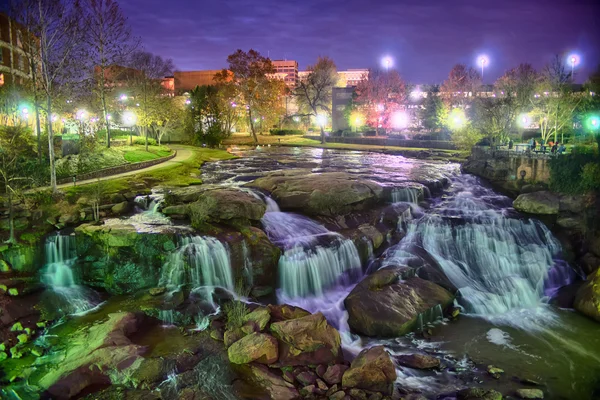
x=135, y=154
x=298, y=140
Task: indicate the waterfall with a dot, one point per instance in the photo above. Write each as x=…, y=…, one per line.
x=147, y=208
x=406, y=194
x=498, y=260
x=61, y=255
x=314, y=259
x=202, y=265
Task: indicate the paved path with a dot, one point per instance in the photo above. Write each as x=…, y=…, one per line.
x=183, y=153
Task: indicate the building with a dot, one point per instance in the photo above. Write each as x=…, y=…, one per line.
x=287, y=71
x=168, y=84
x=347, y=78
x=340, y=97
x=185, y=81
x=14, y=54
x=118, y=75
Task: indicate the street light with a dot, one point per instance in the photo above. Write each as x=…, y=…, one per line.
x=573, y=61
x=81, y=114
x=129, y=118
x=387, y=62
x=593, y=123
x=457, y=119
x=400, y=119
x=123, y=97
x=482, y=61
x=524, y=120
x=322, y=120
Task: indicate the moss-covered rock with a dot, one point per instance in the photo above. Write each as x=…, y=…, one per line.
x=266, y=383
x=373, y=370
x=257, y=347
x=388, y=303
x=306, y=341
x=543, y=202
x=587, y=300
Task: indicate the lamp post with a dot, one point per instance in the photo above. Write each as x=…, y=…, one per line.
x=129, y=119
x=573, y=61
x=482, y=61
x=387, y=62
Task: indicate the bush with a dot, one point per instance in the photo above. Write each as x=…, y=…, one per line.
x=284, y=132
x=567, y=171
x=466, y=138
x=590, y=177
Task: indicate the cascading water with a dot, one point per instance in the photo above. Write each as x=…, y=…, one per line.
x=201, y=265
x=498, y=261
x=58, y=275
x=406, y=194
x=147, y=208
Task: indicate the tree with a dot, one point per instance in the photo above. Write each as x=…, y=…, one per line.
x=170, y=116
x=495, y=116
x=250, y=75
x=108, y=40
x=57, y=25
x=211, y=113
x=460, y=86
x=380, y=97
x=432, y=110
x=145, y=84
x=518, y=84
x=313, y=94
x=16, y=153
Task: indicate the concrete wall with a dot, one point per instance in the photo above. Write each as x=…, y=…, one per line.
x=382, y=141
x=506, y=166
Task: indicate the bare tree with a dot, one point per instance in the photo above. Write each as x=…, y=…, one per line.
x=109, y=43
x=314, y=93
x=461, y=84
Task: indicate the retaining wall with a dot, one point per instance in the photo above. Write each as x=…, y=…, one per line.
x=387, y=141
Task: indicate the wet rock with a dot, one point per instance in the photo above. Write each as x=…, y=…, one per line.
x=530, y=394
x=285, y=312
x=322, y=385
x=329, y=194
x=373, y=370
x=266, y=380
x=288, y=376
x=308, y=390
x=307, y=341
x=232, y=336
x=358, y=394
x=494, y=371
x=257, y=347
x=543, y=202
x=178, y=210
x=341, y=395
x=375, y=396
x=321, y=370
x=478, y=394
x=4, y=266
x=332, y=390
x=261, y=317
x=335, y=373
x=306, y=378
x=589, y=263
x=385, y=304
x=587, y=300
x=418, y=361
x=157, y=291
x=120, y=208
x=217, y=334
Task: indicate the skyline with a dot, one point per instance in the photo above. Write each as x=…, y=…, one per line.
x=358, y=34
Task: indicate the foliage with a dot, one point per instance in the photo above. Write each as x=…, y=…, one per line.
x=313, y=94
x=590, y=177
x=210, y=111
x=236, y=310
x=432, y=108
x=518, y=84
x=495, y=117
x=567, y=173
x=461, y=84
x=135, y=156
x=249, y=77
x=283, y=132
x=466, y=137
x=379, y=97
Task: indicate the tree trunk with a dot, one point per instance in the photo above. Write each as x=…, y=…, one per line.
x=105, y=111
x=322, y=135
x=39, y=130
x=252, y=127
x=51, y=144
x=11, y=215
x=146, y=134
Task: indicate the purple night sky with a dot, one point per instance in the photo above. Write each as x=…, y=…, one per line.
x=425, y=37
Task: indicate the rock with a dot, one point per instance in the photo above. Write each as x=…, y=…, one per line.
x=332, y=390
x=288, y=376
x=322, y=385
x=494, y=371
x=180, y=209
x=478, y=394
x=589, y=263
x=157, y=291
x=418, y=361
x=260, y=317
x=321, y=370
x=384, y=304
x=306, y=341
x=341, y=395
x=373, y=370
x=69, y=219
x=285, y=312
x=530, y=394
x=306, y=378
x=334, y=373
x=217, y=334
x=120, y=208
x=357, y=394
x=329, y=193
x=587, y=300
x=543, y=202
x=269, y=382
x=375, y=396
x=92, y=354
x=232, y=336
x=257, y=347
x=4, y=266
x=569, y=222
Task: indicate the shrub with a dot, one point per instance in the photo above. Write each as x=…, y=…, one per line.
x=284, y=132
x=590, y=177
x=566, y=171
x=466, y=138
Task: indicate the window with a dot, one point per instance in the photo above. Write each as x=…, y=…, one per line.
x=19, y=39
x=22, y=63
x=1, y=79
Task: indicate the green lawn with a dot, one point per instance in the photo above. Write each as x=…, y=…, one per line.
x=135, y=154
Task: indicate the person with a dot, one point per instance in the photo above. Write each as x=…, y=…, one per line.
x=533, y=145
x=510, y=144
x=562, y=148
x=554, y=148
x=550, y=143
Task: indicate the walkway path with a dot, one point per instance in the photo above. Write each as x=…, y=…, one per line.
x=183, y=153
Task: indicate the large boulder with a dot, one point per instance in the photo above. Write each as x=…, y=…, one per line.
x=308, y=340
x=92, y=354
x=331, y=193
x=258, y=347
x=543, y=202
x=285, y=312
x=266, y=382
x=373, y=370
x=587, y=300
x=388, y=303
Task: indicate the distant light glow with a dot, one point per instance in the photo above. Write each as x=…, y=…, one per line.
x=483, y=60
x=387, y=62
x=574, y=60
x=81, y=114
x=400, y=120
x=524, y=120
x=123, y=97
x=129, y=118
x=54, y=117
x=357, y=119
x=322, y=120
x=380, y=107
x=415, y=94
x=188, y=101
x=457, y=119
x=296, y=119
x=593, y=123
x=25, y=111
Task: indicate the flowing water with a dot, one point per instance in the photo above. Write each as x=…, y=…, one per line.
x=59, y=277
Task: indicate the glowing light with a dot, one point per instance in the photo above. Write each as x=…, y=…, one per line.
x=574, y=60
x=296, y=119
x=322, y=120
x=188, y=101
x=387, y=62
x=524, y=120
x=233, y=104
x=593, y=123
x=81, y=114
x=357, y=119
x=123, y=97
x=25, y=111
x=54, y=117
x=457, y=119
x=415, y=94
x=483, y=60
x=129, y=118
x=380, y=107
x=400, y=120
x=108, y=117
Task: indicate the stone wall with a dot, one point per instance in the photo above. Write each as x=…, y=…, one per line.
x=119, y=169
x=383, y=141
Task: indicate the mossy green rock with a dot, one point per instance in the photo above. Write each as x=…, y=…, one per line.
x=530, y=394
x=388, y=304
x=308, y=340
x=3, y=356
x=261, y=317
x=372, y=369
x=4, y=266
x=543, y=202
x=329, y=194
x=23, y=338
x=16, y=351
x=256, y=347
x=587, y=300
x=16, y=327
x=120, y=208
x=478, y=394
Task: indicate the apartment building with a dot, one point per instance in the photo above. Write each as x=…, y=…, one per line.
x=287, y=71
x=185, y=81
x=347, y=78
x=14, y=59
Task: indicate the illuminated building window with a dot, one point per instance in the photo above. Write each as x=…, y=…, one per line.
x=1, y=79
